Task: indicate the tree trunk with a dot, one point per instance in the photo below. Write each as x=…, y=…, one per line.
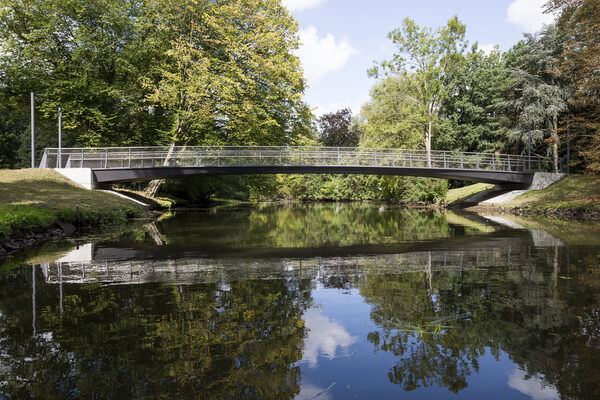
x=428, y=143
x=155, y=184
x=555, y=142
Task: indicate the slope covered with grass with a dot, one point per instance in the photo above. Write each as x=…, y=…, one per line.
x=36, y=199
x=574, y=192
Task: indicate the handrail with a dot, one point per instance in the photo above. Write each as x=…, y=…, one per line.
x=253, y=156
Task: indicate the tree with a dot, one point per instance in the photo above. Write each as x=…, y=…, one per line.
x=431, y=55
x=336, y=129
x=470, y=121
x=86, y=58
x=541, y=94
x=580, y=61
x=229, y=76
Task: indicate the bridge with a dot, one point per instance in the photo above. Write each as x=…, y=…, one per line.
x=126, y=164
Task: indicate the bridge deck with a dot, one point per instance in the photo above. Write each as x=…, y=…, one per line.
x=139, y=163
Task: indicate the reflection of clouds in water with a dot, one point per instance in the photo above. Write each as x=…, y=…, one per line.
x=310, y=391
x=324, y=337
x=534, y=386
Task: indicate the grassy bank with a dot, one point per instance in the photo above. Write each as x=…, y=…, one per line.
x=38, y=199
x=574, y=192
x=461, y=194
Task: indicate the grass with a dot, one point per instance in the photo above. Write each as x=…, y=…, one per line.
x=463, y=193
x=574, y=192
x=569, y=231
x=37, y=199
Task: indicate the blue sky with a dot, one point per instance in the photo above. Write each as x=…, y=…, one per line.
x=341, y=39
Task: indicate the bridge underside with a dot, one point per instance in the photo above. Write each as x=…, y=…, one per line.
x=116, y=175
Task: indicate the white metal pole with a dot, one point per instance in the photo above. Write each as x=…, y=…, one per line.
x=32, y=134
x=59, y=137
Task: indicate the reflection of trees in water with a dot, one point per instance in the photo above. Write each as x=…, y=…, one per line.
x=543, y=313
x=219, y=340
x=305, y=225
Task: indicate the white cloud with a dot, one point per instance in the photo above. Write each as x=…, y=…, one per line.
x=528, y=14
x=299, y=5
x=354, y=104
x=320, y=56
x=324, y=337
x=534, y=386
x=488, y=48
x=308, y=391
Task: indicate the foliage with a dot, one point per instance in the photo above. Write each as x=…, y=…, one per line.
x=580, y=61
x=470, y=121
x=541, y=94
x=431, y=55
x=336, y=129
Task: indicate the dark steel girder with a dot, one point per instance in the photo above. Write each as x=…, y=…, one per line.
x=116, y=175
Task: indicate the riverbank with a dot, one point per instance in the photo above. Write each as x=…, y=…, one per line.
x=40, y=204
x=572, y=197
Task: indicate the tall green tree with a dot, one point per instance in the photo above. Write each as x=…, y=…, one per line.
x=229, y=76
x=541, y=93
x=429, y=56
x=470, y=121
x=86, y=58
x=580, y=61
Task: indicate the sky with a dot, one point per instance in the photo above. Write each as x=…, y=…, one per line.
x=342, y=39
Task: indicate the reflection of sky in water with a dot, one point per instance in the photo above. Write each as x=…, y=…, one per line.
x=324, y=337
x=308, y=391
x=533, y=386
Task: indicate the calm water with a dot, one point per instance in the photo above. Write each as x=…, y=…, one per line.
x=320, y=301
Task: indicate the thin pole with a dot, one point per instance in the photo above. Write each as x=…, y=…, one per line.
x=32, y=133
x=33, y=299
x=568, y=145
x=529, y=169
x=59, y=138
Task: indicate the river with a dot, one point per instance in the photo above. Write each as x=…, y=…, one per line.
x=306, y=301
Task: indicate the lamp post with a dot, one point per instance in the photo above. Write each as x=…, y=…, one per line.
x=568, y=145
x=59, y=138
x=529, y=157
x=32, y=133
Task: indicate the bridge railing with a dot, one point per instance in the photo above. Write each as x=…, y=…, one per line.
x=198, y=156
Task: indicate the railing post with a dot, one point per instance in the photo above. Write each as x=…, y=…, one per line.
x=106, y=158
x=356, y=157
x=493, y=162
x=218, y=157
x=338, y=156
x=509, y=168
x=129, y=161
x=197, y=158
x=81, y=162
x=375, y=158
x=280, y=157
x=461, y=161
x=445, y=165
x=477, y=161
x=299, y=156
x=410, y=157
x=260, y=157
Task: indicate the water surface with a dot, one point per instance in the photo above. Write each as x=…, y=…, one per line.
x=317, y=301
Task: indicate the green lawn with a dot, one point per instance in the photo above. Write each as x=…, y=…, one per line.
x=463, y=193
x=35, y=199
x=574, y=192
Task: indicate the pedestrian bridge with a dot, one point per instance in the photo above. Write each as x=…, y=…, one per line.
x=126, y=164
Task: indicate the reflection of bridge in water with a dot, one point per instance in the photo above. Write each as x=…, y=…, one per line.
x=127, y=265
